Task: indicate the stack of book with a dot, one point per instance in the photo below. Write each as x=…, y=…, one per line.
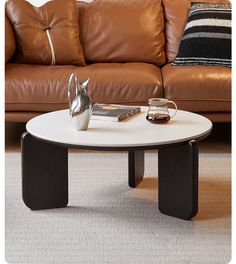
x=113, y=112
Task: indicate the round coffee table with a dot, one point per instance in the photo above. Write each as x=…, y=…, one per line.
x=45, y=156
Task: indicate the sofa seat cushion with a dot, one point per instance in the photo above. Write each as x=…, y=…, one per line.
x=198, y=88
x=44, y=88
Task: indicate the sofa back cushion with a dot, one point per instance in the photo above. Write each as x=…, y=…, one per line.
x=176, y=15
x=48, y=34
x=122, y=31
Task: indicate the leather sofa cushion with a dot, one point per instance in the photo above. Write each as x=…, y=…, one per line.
x=122, y=31
x=10, y=45
x=44, y=88
x=176, y=15
x=198, y=88
x=35, y=26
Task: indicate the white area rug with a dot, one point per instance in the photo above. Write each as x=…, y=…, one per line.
x=107, y=222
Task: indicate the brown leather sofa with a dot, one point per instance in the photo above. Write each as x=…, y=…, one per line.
x=128, y=63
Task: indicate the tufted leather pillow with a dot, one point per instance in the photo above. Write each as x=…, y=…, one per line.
x=48, y=34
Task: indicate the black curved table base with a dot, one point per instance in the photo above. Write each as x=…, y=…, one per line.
x=178, y=180
x=45, y=176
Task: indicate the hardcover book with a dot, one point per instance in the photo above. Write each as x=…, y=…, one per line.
x=113, y=112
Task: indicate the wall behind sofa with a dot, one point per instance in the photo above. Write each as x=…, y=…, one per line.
x=41, y=2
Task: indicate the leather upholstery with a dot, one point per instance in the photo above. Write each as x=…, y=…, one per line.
x=10, y=45
x=44, y=88
x=220, y=117
x=34, y=89
x=123, y=31
x=59, y=19
x=198, y=88
x=13, y=117
x=176, y=15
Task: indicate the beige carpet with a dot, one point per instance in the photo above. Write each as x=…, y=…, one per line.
x=107, y=222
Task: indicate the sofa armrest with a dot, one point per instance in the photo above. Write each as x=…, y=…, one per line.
x=10, y=45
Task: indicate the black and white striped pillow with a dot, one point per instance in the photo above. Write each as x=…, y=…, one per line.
x=207, y=36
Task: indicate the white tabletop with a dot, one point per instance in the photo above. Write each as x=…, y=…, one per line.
x=133, y=132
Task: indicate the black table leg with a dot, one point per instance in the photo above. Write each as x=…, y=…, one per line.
x=136, y=167
x=44, y=174
x=178, y=180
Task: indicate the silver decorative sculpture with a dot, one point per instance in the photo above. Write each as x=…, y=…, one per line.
x=80, y=105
